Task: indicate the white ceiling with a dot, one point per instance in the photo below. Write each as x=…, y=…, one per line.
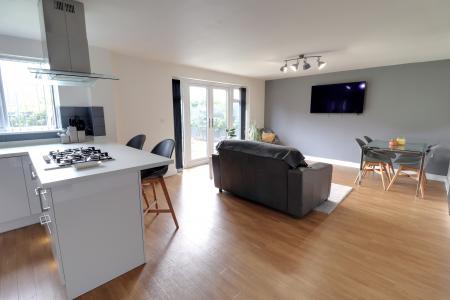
x=252, y=37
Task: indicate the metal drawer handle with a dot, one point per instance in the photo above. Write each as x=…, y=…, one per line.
x=33, y=173
x=40, y=192
x=45, y=219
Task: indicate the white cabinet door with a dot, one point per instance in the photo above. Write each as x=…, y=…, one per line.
x=32, y=182
x=13, y=193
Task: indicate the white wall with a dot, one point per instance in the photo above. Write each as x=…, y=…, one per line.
x=144, y=96
x=20, y=47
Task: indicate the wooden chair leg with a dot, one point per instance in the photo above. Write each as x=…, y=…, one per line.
x=154, y=198
x=394, y=178
x=425, y=179
x=388, y=171
x=381, y=166
x=145, y=199
x=169, y=203
x=392, y=168
x=422, y=185
x=360, y=173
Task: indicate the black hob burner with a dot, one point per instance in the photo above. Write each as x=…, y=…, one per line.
x=73, y=156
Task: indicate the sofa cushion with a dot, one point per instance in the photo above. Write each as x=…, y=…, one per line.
x=289, y=155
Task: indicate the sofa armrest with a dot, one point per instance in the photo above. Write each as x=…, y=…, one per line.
x=308, y=187
x=216, y=171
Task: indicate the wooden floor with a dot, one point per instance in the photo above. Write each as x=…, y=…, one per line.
x=375, y=245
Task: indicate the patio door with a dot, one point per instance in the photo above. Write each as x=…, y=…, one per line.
x=207, y=114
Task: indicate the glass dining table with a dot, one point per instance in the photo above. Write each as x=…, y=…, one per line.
x=419, y=149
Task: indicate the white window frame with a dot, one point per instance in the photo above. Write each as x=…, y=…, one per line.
x=4, y=129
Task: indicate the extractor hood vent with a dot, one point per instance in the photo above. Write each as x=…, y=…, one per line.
x=70, y=8
x=65, y=44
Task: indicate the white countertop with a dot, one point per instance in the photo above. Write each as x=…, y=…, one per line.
x=125, y=159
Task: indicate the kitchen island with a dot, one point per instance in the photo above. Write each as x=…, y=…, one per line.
x=93, y=216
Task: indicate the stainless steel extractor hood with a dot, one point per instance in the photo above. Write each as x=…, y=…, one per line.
x=65, y=45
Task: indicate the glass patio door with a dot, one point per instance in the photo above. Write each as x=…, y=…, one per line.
x=206, y=117
x=219, y=117
x=197, y=122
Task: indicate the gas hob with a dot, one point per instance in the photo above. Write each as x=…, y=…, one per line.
x=77, y=157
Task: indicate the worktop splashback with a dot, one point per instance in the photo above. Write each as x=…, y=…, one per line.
x=93, y=117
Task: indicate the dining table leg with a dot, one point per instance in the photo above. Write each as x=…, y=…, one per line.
x=421, y=170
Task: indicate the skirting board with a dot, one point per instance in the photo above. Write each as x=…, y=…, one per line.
x=350, y=164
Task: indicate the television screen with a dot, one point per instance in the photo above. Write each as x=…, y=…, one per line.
x=338, y=98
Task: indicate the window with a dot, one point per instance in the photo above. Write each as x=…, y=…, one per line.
x=26, y=104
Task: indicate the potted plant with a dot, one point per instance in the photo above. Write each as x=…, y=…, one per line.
x=231, y=132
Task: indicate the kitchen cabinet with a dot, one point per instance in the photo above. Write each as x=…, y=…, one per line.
x=93, y=216
x=13, y=191
x=31, y=182
x=47, y=219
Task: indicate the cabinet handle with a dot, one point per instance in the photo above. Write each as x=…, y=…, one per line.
x=33, y=174
x=40, y=192
x=46, y=220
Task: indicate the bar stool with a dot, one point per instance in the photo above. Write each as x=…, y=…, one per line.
x=137, y=142
x=151, y=177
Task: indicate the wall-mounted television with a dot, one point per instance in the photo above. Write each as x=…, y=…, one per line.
x=338, y=98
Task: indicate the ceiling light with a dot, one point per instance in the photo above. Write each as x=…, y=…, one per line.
x=306, y=65
x=284, y=68
x=321, y=64
x=294, y=67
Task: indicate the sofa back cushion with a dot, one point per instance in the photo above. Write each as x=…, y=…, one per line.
x=290, y=156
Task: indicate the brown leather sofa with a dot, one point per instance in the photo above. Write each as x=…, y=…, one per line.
x=272, y=175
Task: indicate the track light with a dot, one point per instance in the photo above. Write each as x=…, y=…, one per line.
x=306, y=65
x=321, y=64
x=294, y=67
x=284, y=68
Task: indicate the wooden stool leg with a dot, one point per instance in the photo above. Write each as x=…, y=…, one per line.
x=169, y=203
x=154, y=198
x=145, y=199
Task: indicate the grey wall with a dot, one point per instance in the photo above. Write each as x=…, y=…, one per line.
x=448, y=188
x=411, y=100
